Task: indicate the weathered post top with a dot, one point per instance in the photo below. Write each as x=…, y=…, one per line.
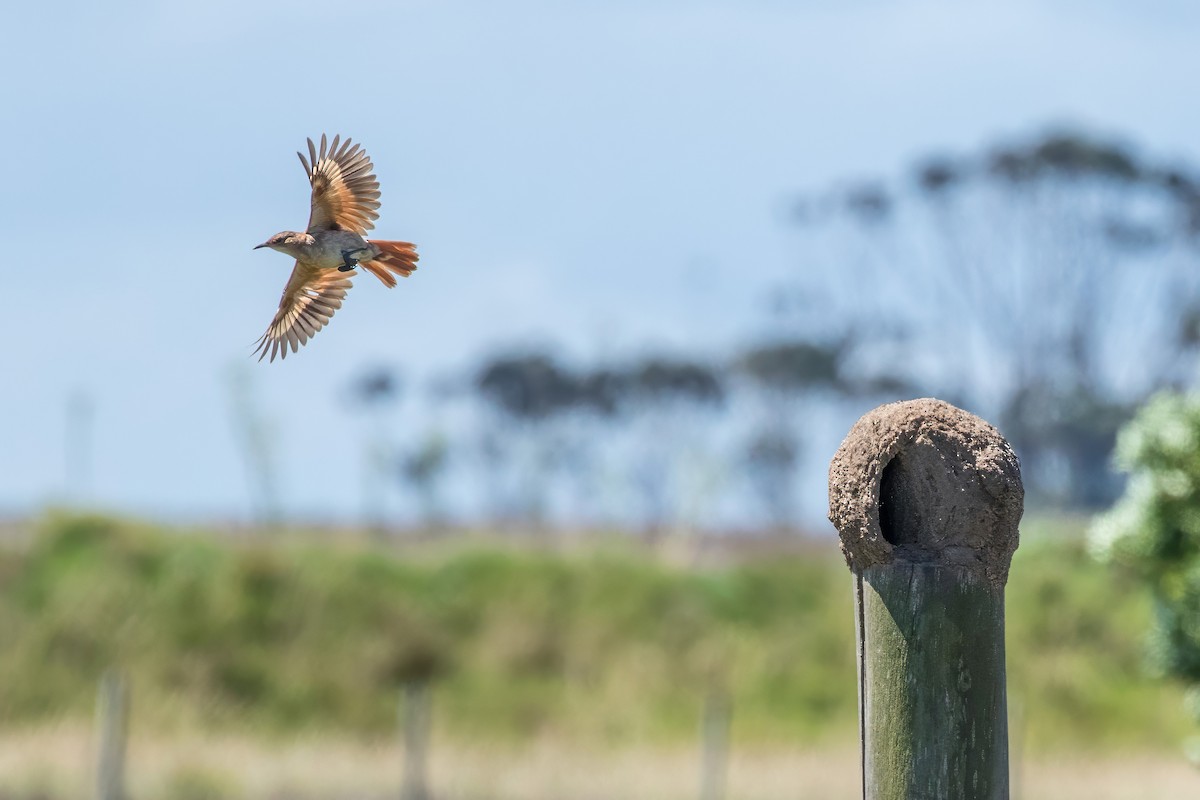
x=924, y=482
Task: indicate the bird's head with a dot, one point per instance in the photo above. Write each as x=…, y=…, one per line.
x=284, y=241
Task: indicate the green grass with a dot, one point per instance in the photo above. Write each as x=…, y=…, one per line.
x=603, y=644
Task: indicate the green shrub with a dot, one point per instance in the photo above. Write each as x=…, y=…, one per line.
x=1154, y=531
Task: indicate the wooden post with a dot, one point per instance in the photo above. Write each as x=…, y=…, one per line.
x=927, y=499
x=112, y=726
x=415, y=719
x=1016, y=738
x=714, y=735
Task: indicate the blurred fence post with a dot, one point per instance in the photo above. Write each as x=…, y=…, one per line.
x=112, y=728
x=415, y=718
x=714, y=734
x=927, y=499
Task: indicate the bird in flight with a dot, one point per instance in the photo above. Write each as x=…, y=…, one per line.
x=345, y=196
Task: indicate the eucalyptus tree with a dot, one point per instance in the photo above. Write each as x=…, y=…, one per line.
x=1050, y=283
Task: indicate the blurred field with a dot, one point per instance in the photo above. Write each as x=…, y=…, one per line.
x=272, y=666
x=56, y=762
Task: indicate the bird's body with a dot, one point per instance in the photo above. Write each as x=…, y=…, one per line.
x=324, y=249
x=344, y=201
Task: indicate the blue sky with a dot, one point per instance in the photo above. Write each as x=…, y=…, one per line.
x=606, y=174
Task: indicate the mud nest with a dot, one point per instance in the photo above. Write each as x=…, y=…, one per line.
x=926, y=483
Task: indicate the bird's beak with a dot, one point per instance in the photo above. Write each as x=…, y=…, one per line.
x=257, y=246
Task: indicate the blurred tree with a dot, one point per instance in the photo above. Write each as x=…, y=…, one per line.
x=793, y=365
x=1066, y=439
x=663, y=380
x=602, y=390
x=530, y=395
x=553, y=425
x=376, y=392
x=423, y=469
x=1050, y=283
x=1155, y=528
x=668, y=400
x=786, y=374
x=771, y=457
x=378, y=386
x=527, y=386
x=782, y=373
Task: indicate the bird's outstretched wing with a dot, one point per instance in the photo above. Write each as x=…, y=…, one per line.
x=345, y=192
x=311, y=296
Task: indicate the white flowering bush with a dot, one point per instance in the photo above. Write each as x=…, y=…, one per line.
x=1154, y=529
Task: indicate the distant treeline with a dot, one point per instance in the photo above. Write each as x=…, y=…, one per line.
x=654, y=441
x=1049, y=285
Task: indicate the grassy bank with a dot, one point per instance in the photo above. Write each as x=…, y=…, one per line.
x=603, y=645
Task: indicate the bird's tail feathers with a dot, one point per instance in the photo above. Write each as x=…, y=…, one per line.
x=396, y=258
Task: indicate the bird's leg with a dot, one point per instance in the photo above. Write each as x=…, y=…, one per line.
x=349, y=263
